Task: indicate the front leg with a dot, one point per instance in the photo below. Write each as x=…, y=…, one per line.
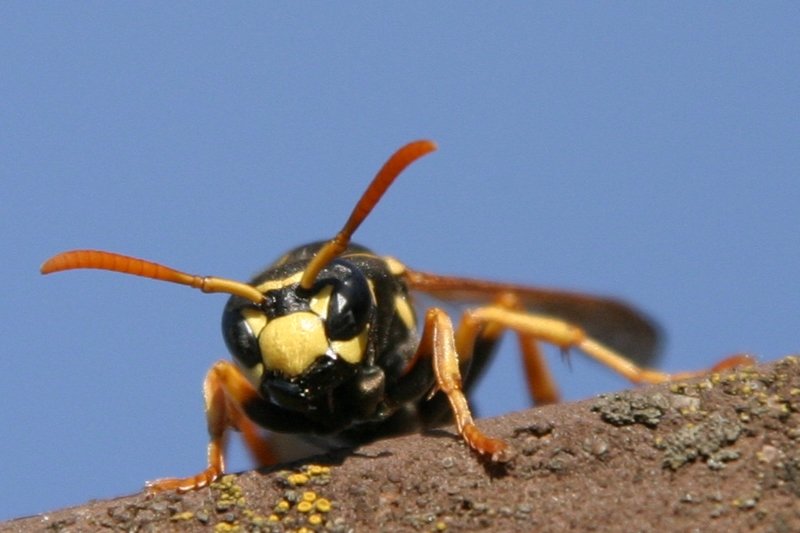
x=438, y=342
x=226, y=391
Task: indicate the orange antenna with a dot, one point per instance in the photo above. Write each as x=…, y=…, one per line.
x=385, y=176
x=124, y=264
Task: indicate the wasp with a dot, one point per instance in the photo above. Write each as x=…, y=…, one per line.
x=326, y=341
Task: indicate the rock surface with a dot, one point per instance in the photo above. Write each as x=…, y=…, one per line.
x=714, y=454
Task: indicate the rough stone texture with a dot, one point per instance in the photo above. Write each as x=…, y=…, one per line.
x=714, y=454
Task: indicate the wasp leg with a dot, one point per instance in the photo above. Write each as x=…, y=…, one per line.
x=225, y=391
x=474, y=341
x=438, y=341
x=541, y=384
x=566, y=336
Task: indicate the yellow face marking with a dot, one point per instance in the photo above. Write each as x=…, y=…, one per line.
x=273, y=284
x=319, y=302
x=291, y=343
x=352, y=350
x=253, y=374
x=255, y=319
x=406, y=312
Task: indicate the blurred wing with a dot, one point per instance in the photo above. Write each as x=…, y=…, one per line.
x=612, y=322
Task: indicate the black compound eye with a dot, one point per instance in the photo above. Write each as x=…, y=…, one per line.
x=239, y=337
x=349, y=306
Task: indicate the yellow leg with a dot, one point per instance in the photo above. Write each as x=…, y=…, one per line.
x=225, y=390
x=566, y=336
x=541, y=385
x=438, y=342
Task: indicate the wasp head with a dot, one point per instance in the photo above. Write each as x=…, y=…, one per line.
x=298, y=345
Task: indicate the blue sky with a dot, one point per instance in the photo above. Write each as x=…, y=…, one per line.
x=647, y=152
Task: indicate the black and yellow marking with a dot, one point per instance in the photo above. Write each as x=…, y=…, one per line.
x=326, y=342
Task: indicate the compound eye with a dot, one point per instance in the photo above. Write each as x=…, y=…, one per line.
x=349, y=307
x=240, y=338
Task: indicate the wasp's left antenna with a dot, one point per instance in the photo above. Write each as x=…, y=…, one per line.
x=385, y=176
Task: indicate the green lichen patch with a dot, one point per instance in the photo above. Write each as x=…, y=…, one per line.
x=705, y=440
x=626, y=408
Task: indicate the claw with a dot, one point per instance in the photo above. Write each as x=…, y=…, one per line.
x=187, y=484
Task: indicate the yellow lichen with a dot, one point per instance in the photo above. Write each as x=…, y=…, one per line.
x=297, y=479
x=317, y=470
x=305, y=506
x=225, y=527
x=323, y=505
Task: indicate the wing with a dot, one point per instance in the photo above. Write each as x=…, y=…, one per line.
x=612, y=322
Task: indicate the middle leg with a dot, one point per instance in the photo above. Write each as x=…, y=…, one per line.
x=565, y=336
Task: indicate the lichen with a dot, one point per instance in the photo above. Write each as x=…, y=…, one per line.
x=306, y=510
x=705, y=440
x=626, y=408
